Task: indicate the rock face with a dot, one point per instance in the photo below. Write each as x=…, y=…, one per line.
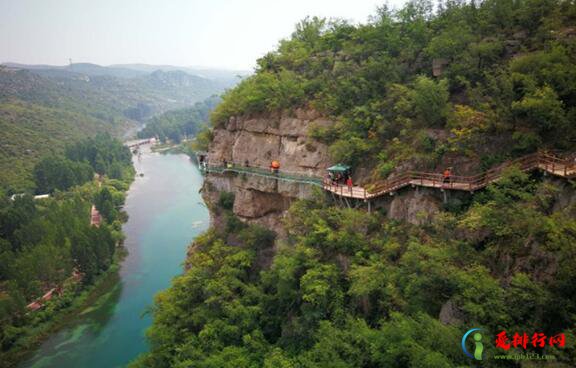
x=416, y=206
x=284, y=138
x=258, y=141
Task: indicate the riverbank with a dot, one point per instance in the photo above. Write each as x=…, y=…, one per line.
x=82, y=261
x=165, y=213
x=170, y=147
x=80, y=302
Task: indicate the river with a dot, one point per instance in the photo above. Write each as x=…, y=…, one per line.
x=165, y=213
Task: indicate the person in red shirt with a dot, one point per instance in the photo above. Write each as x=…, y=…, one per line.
x=349, y=183
x=275, y=167
x=447, y=174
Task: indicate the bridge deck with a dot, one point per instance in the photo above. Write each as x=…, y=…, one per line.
x=256, y=171
x=543, y=161
x=538, y=161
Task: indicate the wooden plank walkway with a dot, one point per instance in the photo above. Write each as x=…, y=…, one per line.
x=544, y=161
x=547, y=162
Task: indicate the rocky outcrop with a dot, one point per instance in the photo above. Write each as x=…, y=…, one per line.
x=258, y=140
x=284, y=137
x=417, y=206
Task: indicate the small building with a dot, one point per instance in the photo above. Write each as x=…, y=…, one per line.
x=95, y=217
x=34, y=306
x=438, y=66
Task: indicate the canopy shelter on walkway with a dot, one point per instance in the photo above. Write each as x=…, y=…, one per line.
x=339, y=168
x=339, y=173
x=559, y=166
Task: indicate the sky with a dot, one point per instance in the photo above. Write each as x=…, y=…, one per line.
x=222, y=34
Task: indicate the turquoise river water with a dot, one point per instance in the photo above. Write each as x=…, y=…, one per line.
x=165, y=213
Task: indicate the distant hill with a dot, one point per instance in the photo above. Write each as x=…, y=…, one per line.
x=227, y=78
x=29, y=131
x=215, y=74
x=82, y=68
x=177, y=124
x=144, y=92
x=39, y=115
x=44, y=107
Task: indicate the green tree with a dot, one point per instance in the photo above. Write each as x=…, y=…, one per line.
x=431, y=100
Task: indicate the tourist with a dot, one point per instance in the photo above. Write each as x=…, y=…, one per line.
x=447, y=175
x=275, y=167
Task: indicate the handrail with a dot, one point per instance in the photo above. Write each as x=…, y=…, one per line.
x=540, y=160
x=564, y=167
x=258, y=171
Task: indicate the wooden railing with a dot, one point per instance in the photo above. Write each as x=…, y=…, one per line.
x=242, y=168
x=564, y=167
x=546, y=161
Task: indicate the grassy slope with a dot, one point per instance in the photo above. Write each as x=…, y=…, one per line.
x=40, y=112
x=29, y=131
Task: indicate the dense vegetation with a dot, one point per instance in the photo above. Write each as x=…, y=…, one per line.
x=102, y=155
x=43, y=110
x=352, y=289
x=505, y=82
x=49, y=243
x=349, y=289
x=30, y=132
x=175, y=125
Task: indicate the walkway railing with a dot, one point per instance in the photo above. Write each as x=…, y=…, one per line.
x=541, y=160
x=563, y=167
x=237, y=167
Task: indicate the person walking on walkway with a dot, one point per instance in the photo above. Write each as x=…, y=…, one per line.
x=349, y=183
x=275, y=167
x=447, y=175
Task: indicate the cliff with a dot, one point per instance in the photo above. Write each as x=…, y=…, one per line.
x=258, y=140
x=283, y=137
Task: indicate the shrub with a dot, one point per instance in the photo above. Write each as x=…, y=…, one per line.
x=226, y=200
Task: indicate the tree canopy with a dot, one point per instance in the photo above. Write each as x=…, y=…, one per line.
x=351, y=289
x=391, y=82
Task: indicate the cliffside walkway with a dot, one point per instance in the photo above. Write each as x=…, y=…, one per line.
x=562, y=167
x=257, y=171
x=545, y=161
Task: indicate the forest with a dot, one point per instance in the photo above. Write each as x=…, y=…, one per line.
x=482, y=80
x=177, y=124
x=349, y=289
x=48, y=243
x=493, y=79
x=43, y=110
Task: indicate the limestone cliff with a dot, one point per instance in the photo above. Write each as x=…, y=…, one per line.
x=282, y=137
x=258, y=140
